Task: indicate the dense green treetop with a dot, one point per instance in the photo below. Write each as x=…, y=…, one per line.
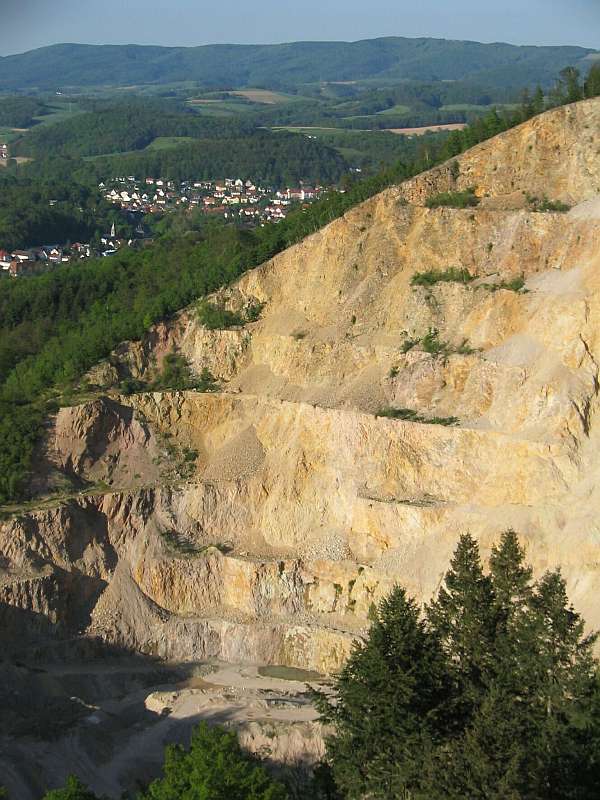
x=214, y=767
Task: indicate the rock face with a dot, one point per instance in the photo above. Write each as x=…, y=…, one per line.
x=303, y=506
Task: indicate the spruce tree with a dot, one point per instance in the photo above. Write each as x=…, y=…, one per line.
x=566, y=693
x=568, y=88
x=527, y=108
x=462, y=617
x=592, y=81
x=511, y=578
x=490, y=758
x=539, y=100
x=388, y=705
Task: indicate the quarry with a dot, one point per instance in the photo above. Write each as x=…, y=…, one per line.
x=206, y=555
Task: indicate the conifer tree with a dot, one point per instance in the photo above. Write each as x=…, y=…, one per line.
x=592, y=82
x=527, y=107
x=462, y=617
x=539, y=100
x=568, y=87
x=388, y=706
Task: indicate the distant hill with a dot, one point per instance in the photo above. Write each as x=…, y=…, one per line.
x=383, y=60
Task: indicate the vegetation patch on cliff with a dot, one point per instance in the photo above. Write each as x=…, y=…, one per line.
x=450, y=275
x=410, y=415
x=465, y=199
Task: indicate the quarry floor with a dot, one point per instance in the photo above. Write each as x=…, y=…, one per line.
x=122, y=740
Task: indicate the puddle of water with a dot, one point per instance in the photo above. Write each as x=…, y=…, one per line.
x=290, y=674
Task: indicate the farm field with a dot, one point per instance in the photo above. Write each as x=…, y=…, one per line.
x=455, y=126
x=264, y=96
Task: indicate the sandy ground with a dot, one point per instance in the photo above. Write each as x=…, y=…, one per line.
x=123, y=740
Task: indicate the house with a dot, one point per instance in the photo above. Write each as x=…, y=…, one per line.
x=22, y=255
x=21, y=268
x=81, y=250
x=51, y=253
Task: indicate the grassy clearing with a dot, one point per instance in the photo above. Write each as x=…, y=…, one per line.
x=458, y=107
x=394, y=110
x=59, y=111
x=452, y=126
x=309, y=131
x=168, y=142
x=8, y=135
x=264, y=96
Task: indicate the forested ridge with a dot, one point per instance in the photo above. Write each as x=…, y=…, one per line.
x=286, y=65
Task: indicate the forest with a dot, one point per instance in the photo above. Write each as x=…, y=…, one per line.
x=123, y=127
x=274, y=159
x=35, y=212
x=19, y=112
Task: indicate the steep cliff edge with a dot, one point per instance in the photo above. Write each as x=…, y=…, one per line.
x=259, y=523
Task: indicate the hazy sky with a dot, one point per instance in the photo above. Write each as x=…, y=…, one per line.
x=25, y=24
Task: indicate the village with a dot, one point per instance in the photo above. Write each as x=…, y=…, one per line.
x=32, y=261
x=237, y=201
x=233, y=199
